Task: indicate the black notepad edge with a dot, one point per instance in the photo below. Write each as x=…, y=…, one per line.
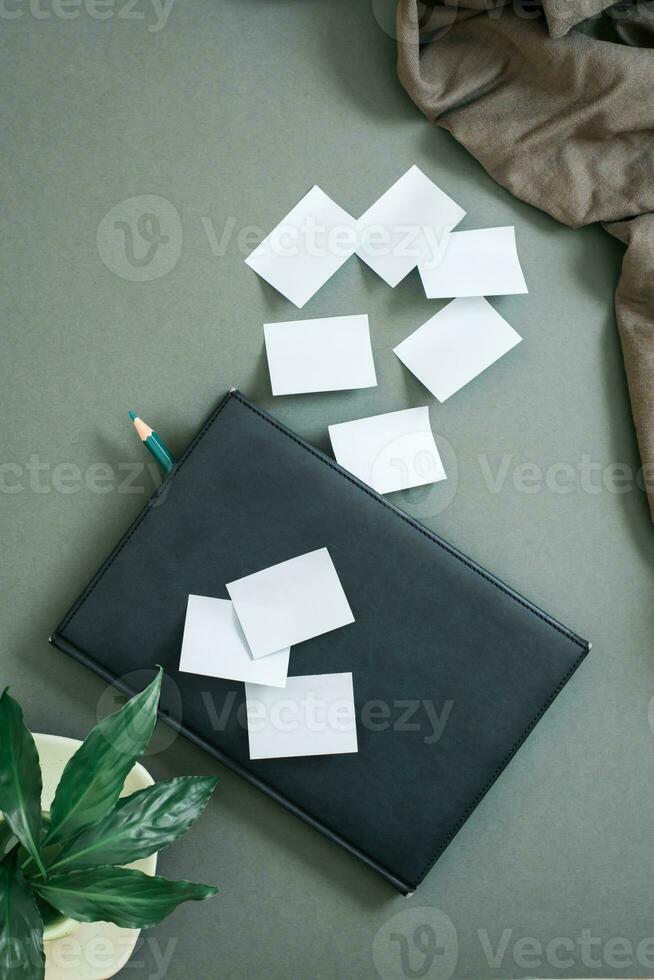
x=59, y=640
x=62, y=644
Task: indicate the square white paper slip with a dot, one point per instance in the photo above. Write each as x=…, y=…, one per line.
x=456, y=345
x=306, y=248
x=313, y=715
x=290, y=602
x=328, y=354
x=214, y=646
x=476, y=263
x=389, y=452
x=408, y=224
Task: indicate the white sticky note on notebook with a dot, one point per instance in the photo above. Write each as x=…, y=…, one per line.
x=306, y=248
x=483, y=262
x=313, y=715
x=456, y=345
x=326, y=354
x=290, y=602
x=214, y=645
x=408, y=224
x=389, y=452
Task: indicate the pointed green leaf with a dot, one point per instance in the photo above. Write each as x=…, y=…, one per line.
x=20, y=778
x=21, y=926
x=127, y=898
x=93, y=778
x=141, y=824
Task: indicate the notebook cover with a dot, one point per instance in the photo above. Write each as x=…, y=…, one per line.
x=431, y=625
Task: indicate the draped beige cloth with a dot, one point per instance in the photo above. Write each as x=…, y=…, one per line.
x=556, y=101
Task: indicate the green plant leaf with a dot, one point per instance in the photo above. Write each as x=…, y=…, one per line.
x=21, y=926
x=93, y=778
x=20, y=778
x=127, y=898
x=141, y=824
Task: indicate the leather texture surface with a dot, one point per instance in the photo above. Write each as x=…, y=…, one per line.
x=431, y=627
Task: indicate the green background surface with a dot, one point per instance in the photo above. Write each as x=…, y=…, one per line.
x=231, y=112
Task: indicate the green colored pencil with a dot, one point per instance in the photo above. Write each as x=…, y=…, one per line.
x=154, y=443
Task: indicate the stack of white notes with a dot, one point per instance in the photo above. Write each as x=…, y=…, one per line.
x=410, y=226
x=249, y=636
x=249, y=639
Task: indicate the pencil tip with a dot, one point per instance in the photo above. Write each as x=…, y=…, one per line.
x=133, y=416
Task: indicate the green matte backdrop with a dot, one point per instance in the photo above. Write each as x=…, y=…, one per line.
x=227, y=112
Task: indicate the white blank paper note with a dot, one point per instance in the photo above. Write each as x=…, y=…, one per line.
x=389, y=452
x=407, y=225
x=327, y=354
x=483, y=262
x=313, y=715
x=306, y=248
x=290, y=602
x=456, y=345
x=214, y=645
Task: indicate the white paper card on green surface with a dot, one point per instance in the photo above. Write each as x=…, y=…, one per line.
x=483, y=262
x=410, y=223
x=389, y=452
x=324, y=354
x=456, y=345
x=306, y=248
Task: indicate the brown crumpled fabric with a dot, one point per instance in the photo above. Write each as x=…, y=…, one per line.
x=554, y=98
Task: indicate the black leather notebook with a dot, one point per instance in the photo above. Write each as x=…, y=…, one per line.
x=451, y=667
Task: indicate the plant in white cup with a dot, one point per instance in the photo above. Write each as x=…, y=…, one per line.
x=64, y=867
